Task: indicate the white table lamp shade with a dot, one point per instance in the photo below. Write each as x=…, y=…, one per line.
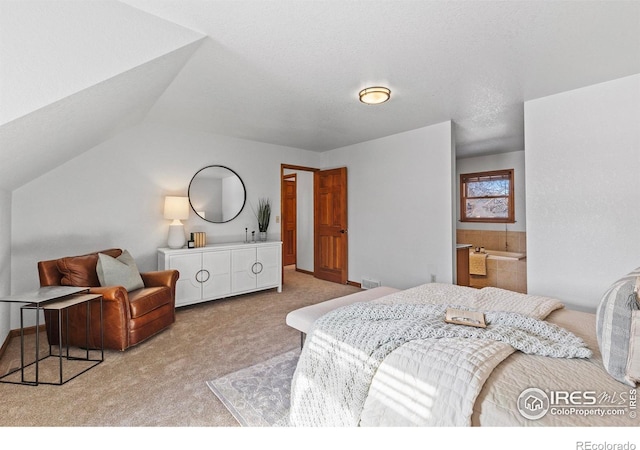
x=176, y=209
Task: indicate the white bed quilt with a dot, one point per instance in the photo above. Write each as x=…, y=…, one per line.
x=407, y=392
x=422, y=377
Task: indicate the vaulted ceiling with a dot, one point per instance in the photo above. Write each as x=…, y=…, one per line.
x=74, y=73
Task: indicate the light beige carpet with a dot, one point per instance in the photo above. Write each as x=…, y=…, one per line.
x=162, y=382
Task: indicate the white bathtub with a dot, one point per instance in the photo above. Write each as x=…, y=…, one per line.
x=496, y=254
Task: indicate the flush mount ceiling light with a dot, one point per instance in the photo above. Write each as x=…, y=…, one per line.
x=374, y=95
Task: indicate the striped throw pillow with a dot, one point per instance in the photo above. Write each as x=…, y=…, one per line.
x=618, y=329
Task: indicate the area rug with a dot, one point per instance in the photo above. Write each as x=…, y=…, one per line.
x=258, y=396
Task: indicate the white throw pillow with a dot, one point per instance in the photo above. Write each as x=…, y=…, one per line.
x=120, y=271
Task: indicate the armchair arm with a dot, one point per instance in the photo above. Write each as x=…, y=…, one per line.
x=111, y=293
x=116, y=303
x=161, y=278
x=116, y=317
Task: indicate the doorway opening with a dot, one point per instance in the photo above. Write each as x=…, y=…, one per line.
x=289, y=219
x=313, y=225
x=297, y=217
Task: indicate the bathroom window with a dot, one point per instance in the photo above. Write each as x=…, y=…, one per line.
x=487, y=197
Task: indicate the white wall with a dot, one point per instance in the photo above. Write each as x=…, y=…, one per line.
x=113, y=196
x=583, y=161
x=5, y=261
x=400, y=206
x=400, y=200
x=510, y=160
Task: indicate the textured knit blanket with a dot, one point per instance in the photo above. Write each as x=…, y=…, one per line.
x=348, y=345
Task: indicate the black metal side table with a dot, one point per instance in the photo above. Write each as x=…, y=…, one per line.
x=56, y=299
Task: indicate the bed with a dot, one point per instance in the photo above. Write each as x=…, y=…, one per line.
x=393, y=361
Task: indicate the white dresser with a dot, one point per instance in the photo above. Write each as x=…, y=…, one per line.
x=223, y=270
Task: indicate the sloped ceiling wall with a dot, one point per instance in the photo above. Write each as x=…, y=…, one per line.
x=75, y=73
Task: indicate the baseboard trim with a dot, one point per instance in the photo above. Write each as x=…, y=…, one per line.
x=353, y=283
x=5, y=344
x=16, y=333
x=308, y=272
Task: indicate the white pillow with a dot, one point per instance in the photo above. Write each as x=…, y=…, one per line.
x=120, y=271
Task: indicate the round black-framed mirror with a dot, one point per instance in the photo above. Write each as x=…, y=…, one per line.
x=217, y=194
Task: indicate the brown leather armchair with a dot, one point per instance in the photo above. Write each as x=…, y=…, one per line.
x=129, y=317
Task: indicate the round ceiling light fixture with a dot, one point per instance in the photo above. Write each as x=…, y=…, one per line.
x=374, y=95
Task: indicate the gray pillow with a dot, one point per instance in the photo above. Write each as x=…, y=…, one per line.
x=618, y=329
x=120, y=271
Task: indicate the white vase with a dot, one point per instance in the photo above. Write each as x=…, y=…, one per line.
x=263, y=236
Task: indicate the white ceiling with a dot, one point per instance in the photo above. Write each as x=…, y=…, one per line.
x=288, y=71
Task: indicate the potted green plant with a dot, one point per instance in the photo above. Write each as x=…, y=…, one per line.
x=263, y=215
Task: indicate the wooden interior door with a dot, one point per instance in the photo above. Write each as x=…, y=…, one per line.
x=289, y=219
x=330, y=225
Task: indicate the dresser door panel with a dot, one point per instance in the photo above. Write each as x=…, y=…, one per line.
x=217, y=268
x=244, y=269
x=268, y=266
x=188, y=289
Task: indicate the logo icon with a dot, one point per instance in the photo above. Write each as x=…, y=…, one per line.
x=533, y=403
